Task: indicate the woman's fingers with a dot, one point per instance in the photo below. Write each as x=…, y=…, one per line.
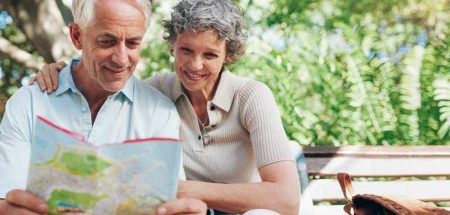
x=32, y=80
x=182, y=206
x=40, y=77
x=61, y=64
x=48, y=76
x=54, y=73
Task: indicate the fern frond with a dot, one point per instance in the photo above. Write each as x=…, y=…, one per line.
x=442, y=95
x=410, y=81
x=359, y=93
x=410, y=97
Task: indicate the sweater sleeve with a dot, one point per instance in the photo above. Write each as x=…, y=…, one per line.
x=260, y=116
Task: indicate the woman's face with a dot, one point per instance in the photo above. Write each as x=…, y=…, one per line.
x=199, y=57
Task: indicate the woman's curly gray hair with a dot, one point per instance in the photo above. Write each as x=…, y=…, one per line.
x=222, y=16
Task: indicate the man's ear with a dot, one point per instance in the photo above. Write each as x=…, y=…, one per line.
x=75, y=35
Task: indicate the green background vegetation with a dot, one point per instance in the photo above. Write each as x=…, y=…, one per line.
x=373, y=72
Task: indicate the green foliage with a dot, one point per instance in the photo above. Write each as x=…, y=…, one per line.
x=438, y=64
x=11, y=73
x=356, y=72
x=442, y=95
x=156, y=56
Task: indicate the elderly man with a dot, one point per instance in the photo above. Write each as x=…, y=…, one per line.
x=98, y=97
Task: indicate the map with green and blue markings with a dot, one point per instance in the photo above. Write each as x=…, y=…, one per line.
x=75, y=177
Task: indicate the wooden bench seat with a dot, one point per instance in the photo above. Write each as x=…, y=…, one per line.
x=421, y=172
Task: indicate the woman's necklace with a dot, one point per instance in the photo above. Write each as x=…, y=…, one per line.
x=205, y=136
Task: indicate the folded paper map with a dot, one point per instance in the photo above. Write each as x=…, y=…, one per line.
x=75, y=177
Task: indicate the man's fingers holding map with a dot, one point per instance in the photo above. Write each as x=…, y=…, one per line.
x=26, y=200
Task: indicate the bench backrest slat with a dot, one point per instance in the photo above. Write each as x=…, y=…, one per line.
x=383, y=151
x=379, y=161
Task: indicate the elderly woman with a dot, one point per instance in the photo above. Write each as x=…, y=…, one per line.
x=236, y=153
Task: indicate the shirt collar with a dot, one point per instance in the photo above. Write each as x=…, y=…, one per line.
x=224, y=92
x=65, y=78
x=128, y=89
x=177, y=89
x=66, y=82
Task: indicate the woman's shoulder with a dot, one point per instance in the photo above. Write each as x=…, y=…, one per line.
x=164, y=82
x=251, y=87
x=160, y=77
x=244, y=84
x=249, y=93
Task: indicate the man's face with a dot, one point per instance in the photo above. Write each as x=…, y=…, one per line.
x=111, y=43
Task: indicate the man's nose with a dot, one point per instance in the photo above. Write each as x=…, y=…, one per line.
x=120, y=55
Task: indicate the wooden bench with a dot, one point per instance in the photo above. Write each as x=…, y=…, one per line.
x=421, y=172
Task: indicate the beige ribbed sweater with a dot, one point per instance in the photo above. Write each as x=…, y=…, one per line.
x=245, y=128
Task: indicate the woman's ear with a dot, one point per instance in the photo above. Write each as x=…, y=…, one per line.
x=226, y=55
x=75, y=35
x=227, y=59
x=171, y=48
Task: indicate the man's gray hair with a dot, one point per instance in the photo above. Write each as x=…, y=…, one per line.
x=83, y=11
x=222, y=16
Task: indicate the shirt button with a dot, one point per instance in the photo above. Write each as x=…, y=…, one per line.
x=212, y=107
x=214, y=125
x=84, y=108
x=199, y=137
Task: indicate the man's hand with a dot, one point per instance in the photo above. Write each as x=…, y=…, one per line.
x=22, y=202
x=182, y=206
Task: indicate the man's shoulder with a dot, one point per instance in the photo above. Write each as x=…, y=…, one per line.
x=27, y=92
x=22, y=103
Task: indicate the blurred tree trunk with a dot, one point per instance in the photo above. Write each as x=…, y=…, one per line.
x=43, y=24
x=19, y=55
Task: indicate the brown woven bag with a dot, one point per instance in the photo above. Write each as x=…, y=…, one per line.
x=369, y=204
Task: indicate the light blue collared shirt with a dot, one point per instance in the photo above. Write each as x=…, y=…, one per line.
x=137, y=111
